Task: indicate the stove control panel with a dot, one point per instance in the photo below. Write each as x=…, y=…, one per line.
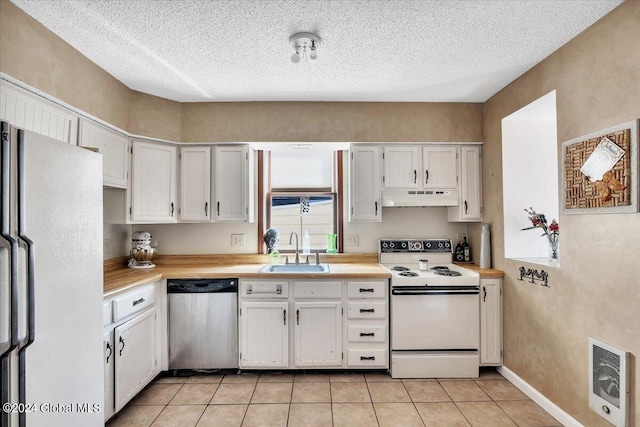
x=415, y=245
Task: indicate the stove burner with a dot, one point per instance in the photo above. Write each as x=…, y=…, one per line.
x=447, y=272
x=440, y=267
x=399, y=268
x=408, y=274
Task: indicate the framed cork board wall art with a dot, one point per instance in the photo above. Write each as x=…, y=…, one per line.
x=600, y=171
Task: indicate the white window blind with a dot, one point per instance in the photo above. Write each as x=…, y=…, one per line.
x=301, y=169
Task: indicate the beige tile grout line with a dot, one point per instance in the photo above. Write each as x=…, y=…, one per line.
x=412, y=402
x=371, y=399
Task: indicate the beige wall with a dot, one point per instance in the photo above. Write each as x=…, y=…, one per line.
x=331, y=121
x=596, y=290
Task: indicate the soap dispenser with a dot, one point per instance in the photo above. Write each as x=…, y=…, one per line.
x=306, y=243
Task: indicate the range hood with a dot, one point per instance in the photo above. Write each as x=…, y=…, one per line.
x=420, y=198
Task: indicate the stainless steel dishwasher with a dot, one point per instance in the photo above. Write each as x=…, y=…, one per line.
x=203, y=323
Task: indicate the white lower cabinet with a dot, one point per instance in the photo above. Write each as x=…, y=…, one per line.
x=109, y=357
x=305, y=324
x=367, y=324
x=264, y=334
x=318, y=334
x=136, y=362
x=132, y=344
x=491, y=322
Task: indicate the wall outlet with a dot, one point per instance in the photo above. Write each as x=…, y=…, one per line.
x=237, y=240
x=353, y=240
x=106, y=246
x=461, y=237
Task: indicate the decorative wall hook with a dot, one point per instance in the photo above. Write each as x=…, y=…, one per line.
x=543, y=276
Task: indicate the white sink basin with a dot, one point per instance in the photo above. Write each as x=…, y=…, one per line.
x=295, y=268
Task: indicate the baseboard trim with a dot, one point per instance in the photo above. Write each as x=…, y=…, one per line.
x=553, y=409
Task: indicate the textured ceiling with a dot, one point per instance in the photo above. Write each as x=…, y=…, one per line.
x=372, y=50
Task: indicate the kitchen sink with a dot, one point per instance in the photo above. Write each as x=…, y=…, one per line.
x=295, y=268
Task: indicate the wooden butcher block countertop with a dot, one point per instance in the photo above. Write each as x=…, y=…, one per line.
x=118, y=278
x=483, y=272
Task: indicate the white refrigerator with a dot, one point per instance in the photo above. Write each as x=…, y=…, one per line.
x=50, y=282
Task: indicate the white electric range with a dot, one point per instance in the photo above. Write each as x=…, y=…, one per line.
x=435, y=311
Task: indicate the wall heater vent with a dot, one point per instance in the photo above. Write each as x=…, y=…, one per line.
x=608, y=382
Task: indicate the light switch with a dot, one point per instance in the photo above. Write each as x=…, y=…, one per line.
x=237, y=240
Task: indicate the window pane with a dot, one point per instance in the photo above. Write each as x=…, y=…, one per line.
x=315, y=216
x=301, y=169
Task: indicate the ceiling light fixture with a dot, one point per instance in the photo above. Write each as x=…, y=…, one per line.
x=305, y=46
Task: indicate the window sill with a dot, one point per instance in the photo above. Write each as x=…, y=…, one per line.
x=538, y=261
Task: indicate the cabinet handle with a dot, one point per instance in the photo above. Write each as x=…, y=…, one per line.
x=484, y=292
x=415, y=176
x=426, y=173
x=206, y=208
x=367, y=358
x=284, y=316
x=138, y=301
x=366, y=289
x=367, y=310
x=297, y=317
x=172, y=208
x=367, y=334
x=376, y=203
x=110, y=351
x=121, y=348
x=218, y=208
x=466, y=207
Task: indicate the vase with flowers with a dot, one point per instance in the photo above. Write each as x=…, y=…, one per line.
x=551, y=231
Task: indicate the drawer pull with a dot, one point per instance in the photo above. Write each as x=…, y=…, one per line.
x=138, y=301
x=367, y=334
x=366, y=290
x=367, y=310
x=367, y=358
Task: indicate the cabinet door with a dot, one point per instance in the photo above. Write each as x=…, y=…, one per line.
x=440, y=167
x=135, y=351
x=364, y=184
x=195, y=184
x=318, y=333
x=264, y=334
x=491, y=322
x=231, y=183
x=114, y=148
x=402, y=167
x=471, y=184
x=109, y=357
x=153, y=183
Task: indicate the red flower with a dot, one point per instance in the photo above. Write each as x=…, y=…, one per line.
x=554, y=226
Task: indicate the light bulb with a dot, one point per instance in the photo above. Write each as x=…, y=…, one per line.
x=314, y=54
x=295, y=57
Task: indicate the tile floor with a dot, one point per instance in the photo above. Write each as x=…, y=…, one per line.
x=329, y=399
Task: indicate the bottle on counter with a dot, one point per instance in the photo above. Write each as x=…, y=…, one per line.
x=459, y=252
x=466, y=250
x=275, y=256
x=306, y=243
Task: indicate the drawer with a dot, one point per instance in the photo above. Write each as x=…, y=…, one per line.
x=366, y=289
x=367, y=357
x=332, y=290
x=367, y=310
x=278, y=289
x=358, y=333
x=106, y=313
x=133, y=302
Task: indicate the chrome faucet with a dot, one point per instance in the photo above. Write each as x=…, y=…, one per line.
x=297, y=250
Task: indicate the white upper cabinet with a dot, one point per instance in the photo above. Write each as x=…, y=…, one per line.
x=195, y=184
x=154, y=183
x=439, y=167
x=114, y=148
x=401, y=167
x=470, y=207
x=417, y=167
x=32, y=112
x=364, y=184
x=233, y=183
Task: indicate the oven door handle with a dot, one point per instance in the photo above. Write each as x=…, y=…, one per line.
x=450, y=291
